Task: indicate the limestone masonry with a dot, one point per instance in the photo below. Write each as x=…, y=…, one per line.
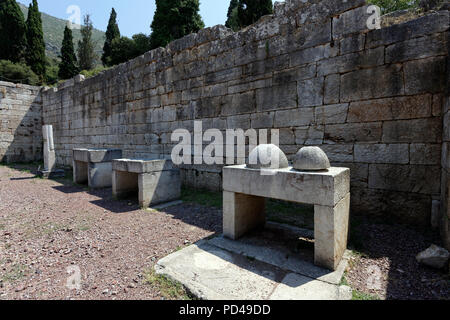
x=20, y=123
x=375, y=101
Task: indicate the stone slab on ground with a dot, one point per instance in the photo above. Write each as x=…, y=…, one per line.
x=223, y=269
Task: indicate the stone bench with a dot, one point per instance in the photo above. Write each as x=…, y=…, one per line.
x=156, y=181
x=94, y=166
x=245, y=192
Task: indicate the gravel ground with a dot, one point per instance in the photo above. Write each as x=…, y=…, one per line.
x=47, y=226
x=385, y=265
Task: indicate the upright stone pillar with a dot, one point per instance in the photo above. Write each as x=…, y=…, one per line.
x=49, y=148
x=50, y=170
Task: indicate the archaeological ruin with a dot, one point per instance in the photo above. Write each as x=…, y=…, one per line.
x=374, y=100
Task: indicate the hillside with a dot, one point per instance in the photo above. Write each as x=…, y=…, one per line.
x=54, y=32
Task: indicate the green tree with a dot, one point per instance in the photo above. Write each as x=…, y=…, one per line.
x=173, y=20
x=249, y=11
x=12, y=31
x=232, y=15
x=35, y=52
x=142, y=44
x=86, y=53
x=122, y=50
x=388, y=6
x=17, y=73
x=112, y=32
x=68, y=65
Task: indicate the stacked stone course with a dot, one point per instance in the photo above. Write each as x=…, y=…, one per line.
x=371, y=99
x=20, y=123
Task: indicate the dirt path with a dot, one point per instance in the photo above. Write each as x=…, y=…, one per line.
x=47, y=226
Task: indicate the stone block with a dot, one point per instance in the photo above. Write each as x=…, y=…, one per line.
x=262, y=120
x=398, y=108
x=350, y=62
x=99, y=175
x=310, y=92
x=331, y=114
x=406, y=178
x=352, y=21
x=413, y=131
x=94, y=166
x=311, y=55
x=331, y=233
x=425, y=154
x=294, y=118
x=353, y=43
x=245, y=191
x=332, y=89
x=156, y=181
x=353, y=132
x=275, y=98
x=414, y=49
x=428, y=24
x=382, y=153
x=339, y=152
x=445, y=160
x=322, y=188
x=242, y=213
x=96, y=155
x=309, y=135
x=361, y=84
x=425, y=76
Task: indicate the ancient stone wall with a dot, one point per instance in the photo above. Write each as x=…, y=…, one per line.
x=445, y=188
x=372, y=99
x=20, y=123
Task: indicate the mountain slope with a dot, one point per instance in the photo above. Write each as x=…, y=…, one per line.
x=54, y=33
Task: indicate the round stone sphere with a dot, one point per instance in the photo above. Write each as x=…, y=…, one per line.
x=311, y=159
x=267, y=156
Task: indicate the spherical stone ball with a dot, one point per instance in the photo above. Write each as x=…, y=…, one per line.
x=311, y=159
x=267, y=156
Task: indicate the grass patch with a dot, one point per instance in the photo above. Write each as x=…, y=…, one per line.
x=357, y=295
x=17, y=272
x=168, y=288
x=361, y=296
x=202, y=197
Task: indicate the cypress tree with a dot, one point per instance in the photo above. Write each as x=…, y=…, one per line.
x=112, y=32
x=249, y=11
x=174, y=19
x=35, y=53
x=86, y=53
x=67, y=66
x=232, y=15
x=12, y=31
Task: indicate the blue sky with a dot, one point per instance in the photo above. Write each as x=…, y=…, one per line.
x=134, y=16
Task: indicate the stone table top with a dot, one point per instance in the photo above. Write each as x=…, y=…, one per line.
x=142, y=165
x=326, y=188
x=96, y=155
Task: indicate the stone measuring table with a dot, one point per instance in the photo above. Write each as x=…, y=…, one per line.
x=156, y=181
x=245, y=191
x=94, y=166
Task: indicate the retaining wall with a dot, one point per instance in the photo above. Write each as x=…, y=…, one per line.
x=372, y=99
x=20, y=123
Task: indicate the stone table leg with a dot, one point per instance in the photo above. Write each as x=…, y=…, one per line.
x=159, y=187
x=124, y=183
x=331, y=233
x=100, y=175
x=242, y=213
x=80, y=172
